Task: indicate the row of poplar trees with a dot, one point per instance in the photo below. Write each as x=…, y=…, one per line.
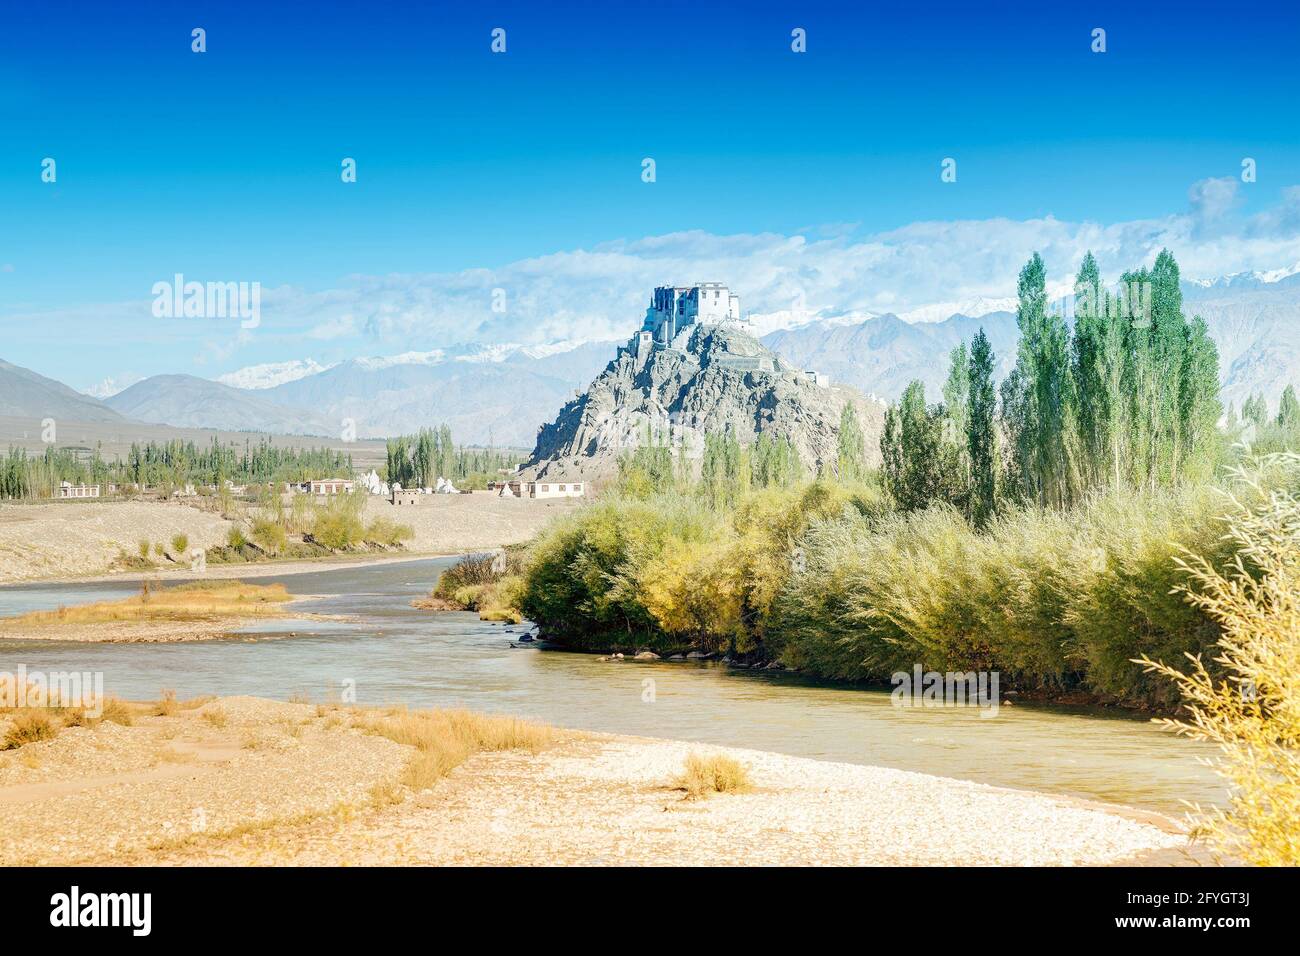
x=1129, y=395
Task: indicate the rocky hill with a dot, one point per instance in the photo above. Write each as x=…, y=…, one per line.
x=722, y=379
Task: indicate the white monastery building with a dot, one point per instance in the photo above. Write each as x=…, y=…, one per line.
x=675, y=308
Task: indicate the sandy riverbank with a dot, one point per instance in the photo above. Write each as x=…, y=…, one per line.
x=248, y=781
x=79, y=541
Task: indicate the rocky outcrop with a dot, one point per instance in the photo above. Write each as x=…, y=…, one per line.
x=720, y=379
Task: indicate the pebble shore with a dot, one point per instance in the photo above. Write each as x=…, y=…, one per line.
x=269, y=783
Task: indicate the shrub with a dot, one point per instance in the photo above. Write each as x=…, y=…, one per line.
x=117, y=711
x=166, y=705
x=703, y=776
x=387, y=533
x=180, y=544
x=143, y=548
x=1253, y=711
x=28, y=726
x=235, y=538
x=269, y=535
x=338, y=524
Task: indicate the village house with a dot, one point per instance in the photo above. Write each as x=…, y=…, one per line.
x=331, y=486
x=68, y=490
x=406, y=496
x=536, y=489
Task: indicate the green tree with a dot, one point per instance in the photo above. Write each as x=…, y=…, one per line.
x=1047, y=430
x=1089, y=368
x=1199, y=407
x=981, y=431
x=851, y=458
x=1288, y=409
x=917, y=472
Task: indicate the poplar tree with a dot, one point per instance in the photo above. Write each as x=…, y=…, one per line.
x=850, y=446
x=1087, y=354
x=1046, y=431
x=1199, y=407
x=981, y=431
x=1169, y=338
x=1288, y=409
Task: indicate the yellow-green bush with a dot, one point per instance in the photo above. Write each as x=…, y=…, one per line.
x=338, y=525
x=833, y=583
x=670, y=571
x=387, y=533
x=1251, y=706
x=269, y=535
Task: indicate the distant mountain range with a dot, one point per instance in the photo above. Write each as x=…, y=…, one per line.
x=882, y=355
x=1254, y=319
x=185, y=401
x=505, y=393
x=23, y=393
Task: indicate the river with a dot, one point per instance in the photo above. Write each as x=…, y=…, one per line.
x=394, y=654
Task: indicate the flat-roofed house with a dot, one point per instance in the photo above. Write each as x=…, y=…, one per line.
x=554, y=489
x=68, y=490
x=332, y=486
x=406, y=496
x=537, y=489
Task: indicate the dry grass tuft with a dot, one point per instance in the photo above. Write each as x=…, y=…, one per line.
x=117, y=711
x=444, y=739
x=703, y=776
x=166, y=705
x=216, y=717
x=28, y=726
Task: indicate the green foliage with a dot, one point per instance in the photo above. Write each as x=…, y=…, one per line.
x=1288, y=409
x=167, y=465
x=418, y=461
x=924, y=459
x=235, y=538
x=673, y=571
x=981, y=432
x=269, y=535
x=388, y=534
x=338, y=525
x=1051, y=600
x=833, y=581
x=1130, y=396
x=648, y=467
x=851, y=456
x=180, y=545
x=725, y=472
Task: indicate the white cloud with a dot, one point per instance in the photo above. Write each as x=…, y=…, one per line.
x=921, y=271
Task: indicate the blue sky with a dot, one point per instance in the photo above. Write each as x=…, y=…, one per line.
x=225, y=165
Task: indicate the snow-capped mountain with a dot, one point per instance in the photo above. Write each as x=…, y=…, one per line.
x=272, y=374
